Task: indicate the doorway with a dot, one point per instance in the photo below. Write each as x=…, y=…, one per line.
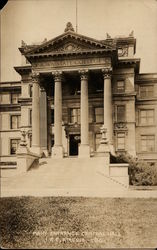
x=74, y=141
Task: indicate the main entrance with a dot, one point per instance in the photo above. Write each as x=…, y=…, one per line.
x=74, y=141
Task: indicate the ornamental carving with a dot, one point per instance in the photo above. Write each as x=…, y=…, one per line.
x=120, y=125
x=107, y=73
x=123, y=51
x=83, y=74
x=57, y=76
x=69, y=27
x=69, y=47
x=35, y=77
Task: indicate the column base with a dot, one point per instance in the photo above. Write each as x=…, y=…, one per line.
x=36, y=150
x=57, y=152
x=84, y=151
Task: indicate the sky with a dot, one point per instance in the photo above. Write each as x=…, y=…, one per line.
x=35, y=20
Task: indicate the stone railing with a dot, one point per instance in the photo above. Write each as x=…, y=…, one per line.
x=25, y=158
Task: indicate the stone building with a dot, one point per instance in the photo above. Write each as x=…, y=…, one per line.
x=70, y=87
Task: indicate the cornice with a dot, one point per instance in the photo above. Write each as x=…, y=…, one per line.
x=10, y=88
x=23, y=69
x=72, y=53
x=124, y=94
x=69, y=34
x=25, y=100
x=146, y=100
x=10, y=107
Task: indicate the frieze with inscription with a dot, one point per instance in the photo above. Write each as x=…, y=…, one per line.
x=74, y=62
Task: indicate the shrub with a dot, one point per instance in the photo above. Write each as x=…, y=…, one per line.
x=140, y=172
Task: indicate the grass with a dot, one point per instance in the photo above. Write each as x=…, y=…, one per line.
x=69, y=222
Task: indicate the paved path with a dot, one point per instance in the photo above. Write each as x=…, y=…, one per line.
x=69, y=178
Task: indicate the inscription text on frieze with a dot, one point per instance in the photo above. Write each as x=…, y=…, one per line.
x=74, y=62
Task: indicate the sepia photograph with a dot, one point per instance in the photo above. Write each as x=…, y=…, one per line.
x=78, y=124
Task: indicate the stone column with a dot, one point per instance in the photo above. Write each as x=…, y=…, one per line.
x=84, y=149
x=108, y=123
x=43, y=121
x=57, y=150
x=36, y=115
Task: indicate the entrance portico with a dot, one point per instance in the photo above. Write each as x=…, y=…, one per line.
x=73, y=70
x=83, y=100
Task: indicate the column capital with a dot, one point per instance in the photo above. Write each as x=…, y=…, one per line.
x=107, y=73
x=83, y=74
x=57, y=75
x=35, y=77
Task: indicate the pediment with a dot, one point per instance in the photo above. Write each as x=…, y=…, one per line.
x=69, y=42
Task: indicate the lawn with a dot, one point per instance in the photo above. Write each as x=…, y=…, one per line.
x=72, y=222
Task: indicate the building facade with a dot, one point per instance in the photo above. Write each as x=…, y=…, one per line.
x=71, y=87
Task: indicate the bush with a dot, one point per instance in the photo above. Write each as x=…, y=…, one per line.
x=140, y=172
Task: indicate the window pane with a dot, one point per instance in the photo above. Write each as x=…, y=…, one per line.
x=75, y=115
x=52, y=116
x=147, y=91
x=120, y=141
x=15, y=121
x=150, y=120
x=143, y=92
x=14, y=145
x=148, y=143
x=99, y=114
x=147, y=117
x=120, y=113
x=120, y=86
x=14, y=98
x=143, y=113
x=30, y=90
x=18, y=121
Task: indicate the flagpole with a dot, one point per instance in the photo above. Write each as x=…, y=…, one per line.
x=76, y=17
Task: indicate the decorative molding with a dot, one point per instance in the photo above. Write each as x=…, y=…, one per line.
x=83, y=74
x=35, y=77
x=57, y=76
x=120, y=127
x=123, y=52
x=107, y=73
x=69, y=27
x=69, y=47
x=75, y=62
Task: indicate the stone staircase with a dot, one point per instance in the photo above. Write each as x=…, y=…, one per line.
x=67, y=176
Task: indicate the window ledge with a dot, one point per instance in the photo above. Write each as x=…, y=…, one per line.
x=152, y=125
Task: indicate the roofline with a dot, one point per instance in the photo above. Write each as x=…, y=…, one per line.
x=69, y=33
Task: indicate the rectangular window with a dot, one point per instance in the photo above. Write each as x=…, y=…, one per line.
x=120, y=86
x=147, y=143
x=146, y=91
x=121, y=113
x=99, y=115
x=147, y=117
x=30, y=90
x=15, y=121
x=121, y=141
x=52, y=116
x=30, y=117
x=97, y=140
x=14, y=145
x=75, y=115
x=30, y=140
x=14, y=98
